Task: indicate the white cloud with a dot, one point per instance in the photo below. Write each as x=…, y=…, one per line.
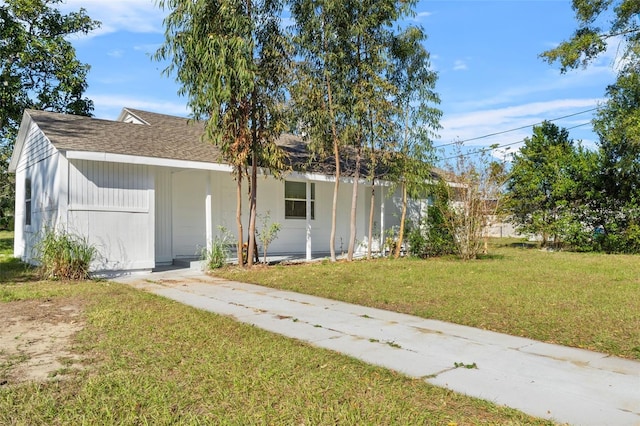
x=470, y=125
x=115, y=53
x=139, y=16
x=460, y=65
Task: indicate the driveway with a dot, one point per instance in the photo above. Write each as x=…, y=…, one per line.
x=555, y=382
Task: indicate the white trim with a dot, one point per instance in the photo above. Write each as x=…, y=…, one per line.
x=308, y=201
x=25, y=125
x=97, y=208
x=149, y=161
x=208, y=216
x=381, y=219
x=330, y=178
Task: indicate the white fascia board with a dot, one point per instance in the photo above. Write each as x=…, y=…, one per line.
x=149, y=161
x=25, y=125
x=318, y=177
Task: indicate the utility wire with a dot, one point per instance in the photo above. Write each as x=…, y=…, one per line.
x=517, y=128
x=485, y=149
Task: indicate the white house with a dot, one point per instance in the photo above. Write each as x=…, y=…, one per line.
x=146, y=190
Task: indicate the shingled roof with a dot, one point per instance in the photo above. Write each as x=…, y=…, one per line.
x=161, y=136
x=164, y=136
x=174, y=138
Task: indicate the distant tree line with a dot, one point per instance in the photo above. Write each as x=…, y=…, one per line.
x=587, y=199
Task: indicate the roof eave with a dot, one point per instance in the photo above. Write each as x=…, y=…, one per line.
x=25, y=124
x=149, y=161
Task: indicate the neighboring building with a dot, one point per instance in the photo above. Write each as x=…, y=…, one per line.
x=146, y=190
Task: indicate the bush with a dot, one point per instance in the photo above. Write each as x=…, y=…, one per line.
x=64, y=256
x=432, y=237
x=217, y=256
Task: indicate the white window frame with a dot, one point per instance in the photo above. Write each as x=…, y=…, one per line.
x=300, y=200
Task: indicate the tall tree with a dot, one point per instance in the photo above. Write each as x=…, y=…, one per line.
x=541, y=183
x=319, y=25
x=231, y=58
x=416, y=116
x=39, y=70
x=614, y=196
x=615, y=193
x=346, y=46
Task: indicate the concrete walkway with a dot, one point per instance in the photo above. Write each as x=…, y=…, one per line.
x=555, y=382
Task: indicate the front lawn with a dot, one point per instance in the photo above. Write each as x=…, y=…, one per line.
x=582, y=300
x=141, y=359
x=148, y=360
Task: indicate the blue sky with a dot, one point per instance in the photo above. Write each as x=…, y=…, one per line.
x=485, y=52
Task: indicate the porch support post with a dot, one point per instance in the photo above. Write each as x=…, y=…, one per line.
x=208, y=214
x=308, y=221
x=382, y=219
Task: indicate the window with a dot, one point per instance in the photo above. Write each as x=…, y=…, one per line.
x=27, y=201
x=295, y=200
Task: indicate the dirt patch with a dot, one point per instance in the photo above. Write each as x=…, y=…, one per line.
x=35, y=338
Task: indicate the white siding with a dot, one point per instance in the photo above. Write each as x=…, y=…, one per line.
x=112, y=186
x=112, y=205
x=36, y=148
x=38, y=163
x=188, y=200
x=163, y=193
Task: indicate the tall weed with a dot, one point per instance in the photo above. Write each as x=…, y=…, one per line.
x=216, y=256
x=64, y=256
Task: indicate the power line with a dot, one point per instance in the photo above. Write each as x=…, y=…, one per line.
x=517, y=128
x=492, y=148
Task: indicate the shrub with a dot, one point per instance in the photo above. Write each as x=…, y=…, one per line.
x=432, y=237
x=268, y=233
x=64, y=256
x=217, y=256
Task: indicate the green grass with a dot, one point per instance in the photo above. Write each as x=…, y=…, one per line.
x=582, y=300
x=152, y=361
x=11, y=269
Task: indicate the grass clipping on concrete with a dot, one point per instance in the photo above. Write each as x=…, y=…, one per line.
x=147, y=360
x=583, y=300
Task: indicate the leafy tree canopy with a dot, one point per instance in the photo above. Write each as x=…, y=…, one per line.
x=39, y=69
x=599, y=22
x=544, y=182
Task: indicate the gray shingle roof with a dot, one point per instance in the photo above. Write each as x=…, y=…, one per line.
x=164, y=136
x=171, y=138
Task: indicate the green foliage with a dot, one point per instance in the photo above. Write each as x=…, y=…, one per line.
x=216, y=257
x=268, y=233
x=599, y=22
x=63, y=256
x=432, y=236
x=362, y=85
x=611, y=192
x=11, y=269
x=615, y=188
x=39, y=70
x=545, y=187
x=232, y=60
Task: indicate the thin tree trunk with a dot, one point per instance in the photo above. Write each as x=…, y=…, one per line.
x=402, y=218
x=252, y=210
x=336, y=153
x=239, y=215
x=371, y=216
x=253, y=182
x=354, y=205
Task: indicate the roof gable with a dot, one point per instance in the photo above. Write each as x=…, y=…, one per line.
x=176, y=139
x=148, y=135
